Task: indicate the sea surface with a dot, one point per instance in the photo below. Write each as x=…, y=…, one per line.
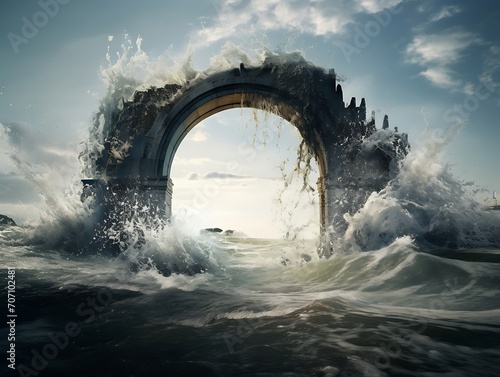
x=252, y=307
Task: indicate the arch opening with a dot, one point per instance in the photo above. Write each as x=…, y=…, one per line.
x=238, y=169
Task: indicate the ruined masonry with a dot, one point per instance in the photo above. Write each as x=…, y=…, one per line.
x=354, y=157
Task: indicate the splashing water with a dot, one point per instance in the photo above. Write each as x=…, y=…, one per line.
x=423, y=202
x=303, y=170
x=426, y=203
x=174, y=302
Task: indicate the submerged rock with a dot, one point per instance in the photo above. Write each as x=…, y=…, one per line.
x=6, y=220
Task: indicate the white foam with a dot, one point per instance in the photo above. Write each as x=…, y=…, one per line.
x=426, y=203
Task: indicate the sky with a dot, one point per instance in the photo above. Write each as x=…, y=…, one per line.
x=432, y=66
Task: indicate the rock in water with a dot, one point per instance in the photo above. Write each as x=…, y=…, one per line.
x=6, y=220
x=211, y=230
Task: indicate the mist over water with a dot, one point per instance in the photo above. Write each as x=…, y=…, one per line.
x=412, y=289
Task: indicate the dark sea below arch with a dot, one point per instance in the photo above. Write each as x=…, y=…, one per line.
x=258, y=308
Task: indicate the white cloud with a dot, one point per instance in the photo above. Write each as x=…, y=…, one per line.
x=319, y=18
x=438, y=52
x=199, y=136
x=440, y=76
x=216, y=175
x=443, y=48
x=375, y=6
x=445, y=12
x=222, y=175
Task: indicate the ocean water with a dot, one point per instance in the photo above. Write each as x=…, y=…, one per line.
x=258, y=308
x=412, y=289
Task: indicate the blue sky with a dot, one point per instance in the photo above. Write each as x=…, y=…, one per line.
x=432, y=66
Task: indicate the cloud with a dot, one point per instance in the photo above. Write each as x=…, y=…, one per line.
x=376, y=6
x=219, y=175
x=445, y=12
x=438, y=52
x=215, y=175
x=440, y=76
x=199, y=136
x=444, y=48
x=319, y=18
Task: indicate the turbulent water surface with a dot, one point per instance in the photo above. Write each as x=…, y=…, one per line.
x=257, y=309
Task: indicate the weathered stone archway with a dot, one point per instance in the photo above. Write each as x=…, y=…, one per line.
x=146, y=133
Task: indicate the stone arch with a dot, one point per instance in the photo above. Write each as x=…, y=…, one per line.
x=154, y=123
x=180, y=121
